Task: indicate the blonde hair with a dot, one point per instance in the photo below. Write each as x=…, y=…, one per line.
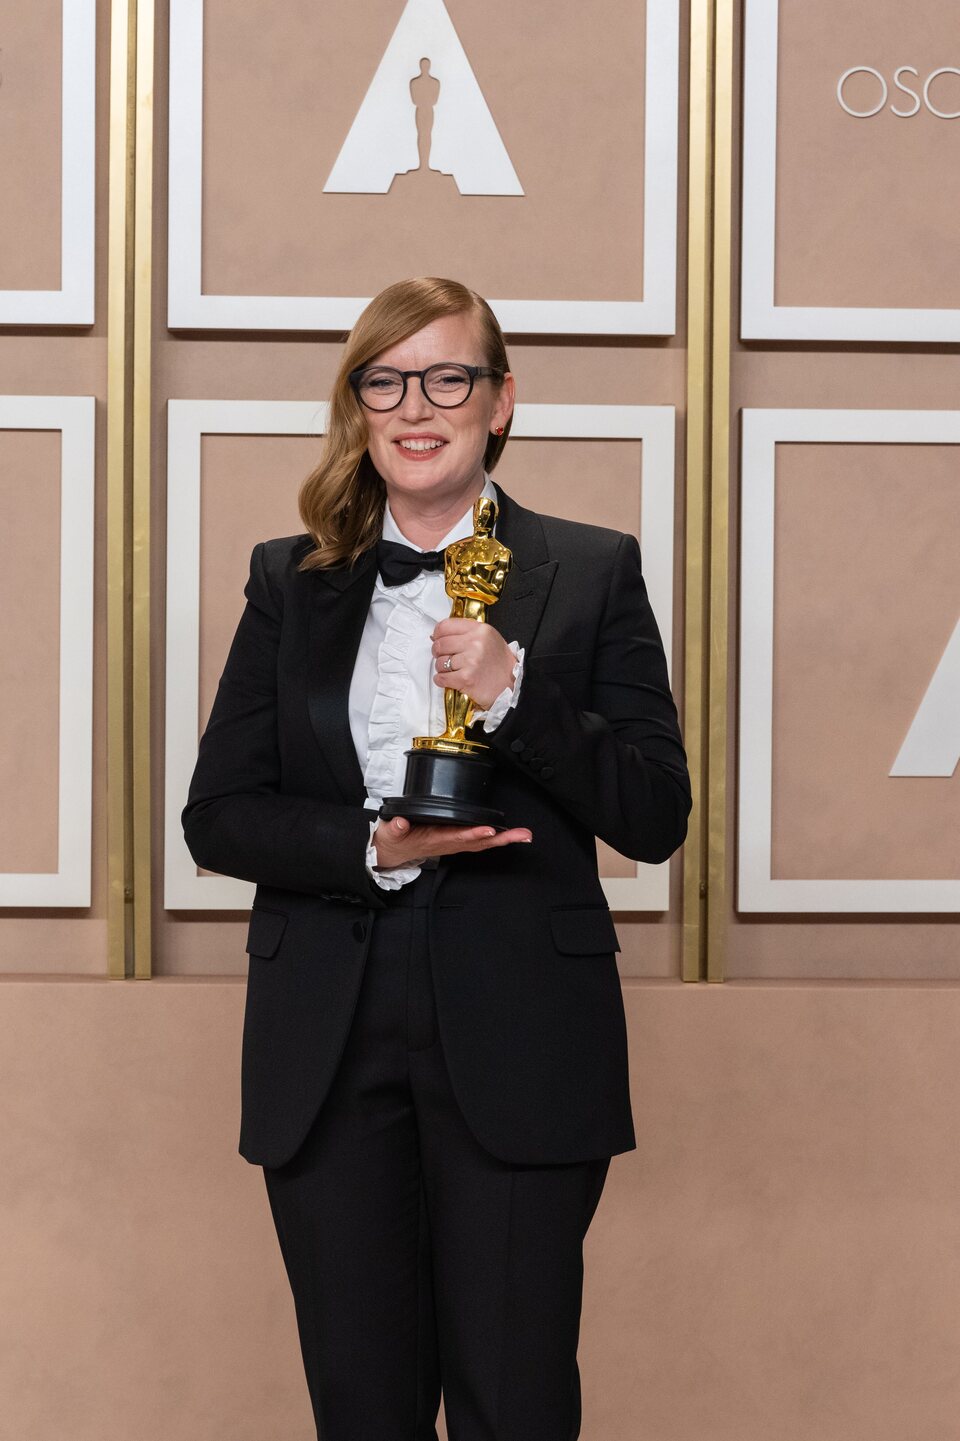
x=342, y=500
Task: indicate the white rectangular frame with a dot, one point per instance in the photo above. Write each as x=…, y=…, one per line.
x=73, y=303
x=762, y=429
x=189, y=308
x=760, y=317
x=75, y=417
x=189, y=420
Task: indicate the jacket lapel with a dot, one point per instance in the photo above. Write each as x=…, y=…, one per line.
x=517, y=613
x=338, y=611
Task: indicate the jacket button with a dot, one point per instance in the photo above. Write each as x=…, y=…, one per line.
x=516, y=746
x=536, y=762
x=546, y=773
x=359, y=930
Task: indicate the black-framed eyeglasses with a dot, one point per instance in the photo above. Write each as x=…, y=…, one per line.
x=447, y=384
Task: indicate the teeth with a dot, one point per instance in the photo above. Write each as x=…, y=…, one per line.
x=420, y=444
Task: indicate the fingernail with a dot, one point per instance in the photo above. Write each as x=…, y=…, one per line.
x=490, y=833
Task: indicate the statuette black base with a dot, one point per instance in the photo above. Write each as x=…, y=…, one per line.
x=441, y=789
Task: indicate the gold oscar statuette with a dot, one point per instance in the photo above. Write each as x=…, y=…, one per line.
x=448, y=777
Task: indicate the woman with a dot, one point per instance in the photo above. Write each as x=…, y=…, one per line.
x=434, y=1072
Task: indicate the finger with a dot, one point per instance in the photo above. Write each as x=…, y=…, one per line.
x=457, y=679
x=454, y=625
x=452, y=645
x=426, y=834
x=442, y=840
x=487, y=838
x=429, y=840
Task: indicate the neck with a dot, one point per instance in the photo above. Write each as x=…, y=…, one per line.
x=426, y=519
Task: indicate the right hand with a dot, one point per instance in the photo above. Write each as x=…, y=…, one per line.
x=399, y=842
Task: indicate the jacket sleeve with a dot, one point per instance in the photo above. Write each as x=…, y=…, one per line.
x=620, y=767
x=236, y=822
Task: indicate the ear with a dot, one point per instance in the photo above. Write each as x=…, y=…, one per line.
x=506, y=397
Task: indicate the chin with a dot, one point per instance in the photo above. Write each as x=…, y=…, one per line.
x=417, y=480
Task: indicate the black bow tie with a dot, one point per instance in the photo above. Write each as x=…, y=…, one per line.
x=399, y=563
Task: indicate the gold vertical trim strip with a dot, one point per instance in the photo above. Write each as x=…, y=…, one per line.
x=142, y=302
x=119, y=458
x=717, y=880
x=697, y=480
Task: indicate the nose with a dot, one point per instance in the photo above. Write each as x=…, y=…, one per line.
x=415, y=406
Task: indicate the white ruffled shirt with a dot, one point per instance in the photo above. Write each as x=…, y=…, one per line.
x=392, y=695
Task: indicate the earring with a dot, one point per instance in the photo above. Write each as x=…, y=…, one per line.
x=498, y=430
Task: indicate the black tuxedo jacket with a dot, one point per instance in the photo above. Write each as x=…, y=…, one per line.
x=522, y=941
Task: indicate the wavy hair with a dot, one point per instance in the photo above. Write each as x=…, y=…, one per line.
x=342, y=500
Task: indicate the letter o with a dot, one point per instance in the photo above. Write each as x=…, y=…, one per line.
x=943, y=114
x=868, y=70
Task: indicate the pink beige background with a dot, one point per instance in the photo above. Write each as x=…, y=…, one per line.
x=564, y=85
x=863, y=216
x=47, y=361
x=881, y=508
x=30, y=649
x=868, y=533
x=776, y=1257
x=30, y=108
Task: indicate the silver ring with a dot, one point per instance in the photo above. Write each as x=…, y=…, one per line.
x=448, y=662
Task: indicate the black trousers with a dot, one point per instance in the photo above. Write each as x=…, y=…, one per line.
x=418, y=1260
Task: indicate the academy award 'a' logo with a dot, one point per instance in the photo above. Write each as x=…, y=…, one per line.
x=424, y=111
x=932, y=744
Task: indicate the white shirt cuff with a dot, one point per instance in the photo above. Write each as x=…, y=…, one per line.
x=389, y=878
x=507, y=698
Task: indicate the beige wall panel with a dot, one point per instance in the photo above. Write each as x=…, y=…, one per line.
x=867, y=594
x=65, y=940
x=559, y=82
x=289, y=367
x=863, y=216
x=597, y=481
x=776, y=1259
x=248, y=493
x=30, y=649
x=799, y=374
x=30, y=116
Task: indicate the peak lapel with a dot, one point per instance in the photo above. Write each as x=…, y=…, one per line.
x=338, y=611
x=517, y=613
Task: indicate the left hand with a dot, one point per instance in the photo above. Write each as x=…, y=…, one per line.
x=481, y=662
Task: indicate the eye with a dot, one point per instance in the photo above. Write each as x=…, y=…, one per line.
x=381, y=383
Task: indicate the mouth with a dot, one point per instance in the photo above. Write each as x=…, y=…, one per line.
x=420, y=447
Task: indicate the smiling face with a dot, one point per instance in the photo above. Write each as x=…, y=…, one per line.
x=424, y=450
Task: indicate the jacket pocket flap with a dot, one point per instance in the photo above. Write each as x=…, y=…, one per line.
x=583, y=930
x=265, y=930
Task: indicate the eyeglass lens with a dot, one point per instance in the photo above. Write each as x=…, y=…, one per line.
x=446, y=385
